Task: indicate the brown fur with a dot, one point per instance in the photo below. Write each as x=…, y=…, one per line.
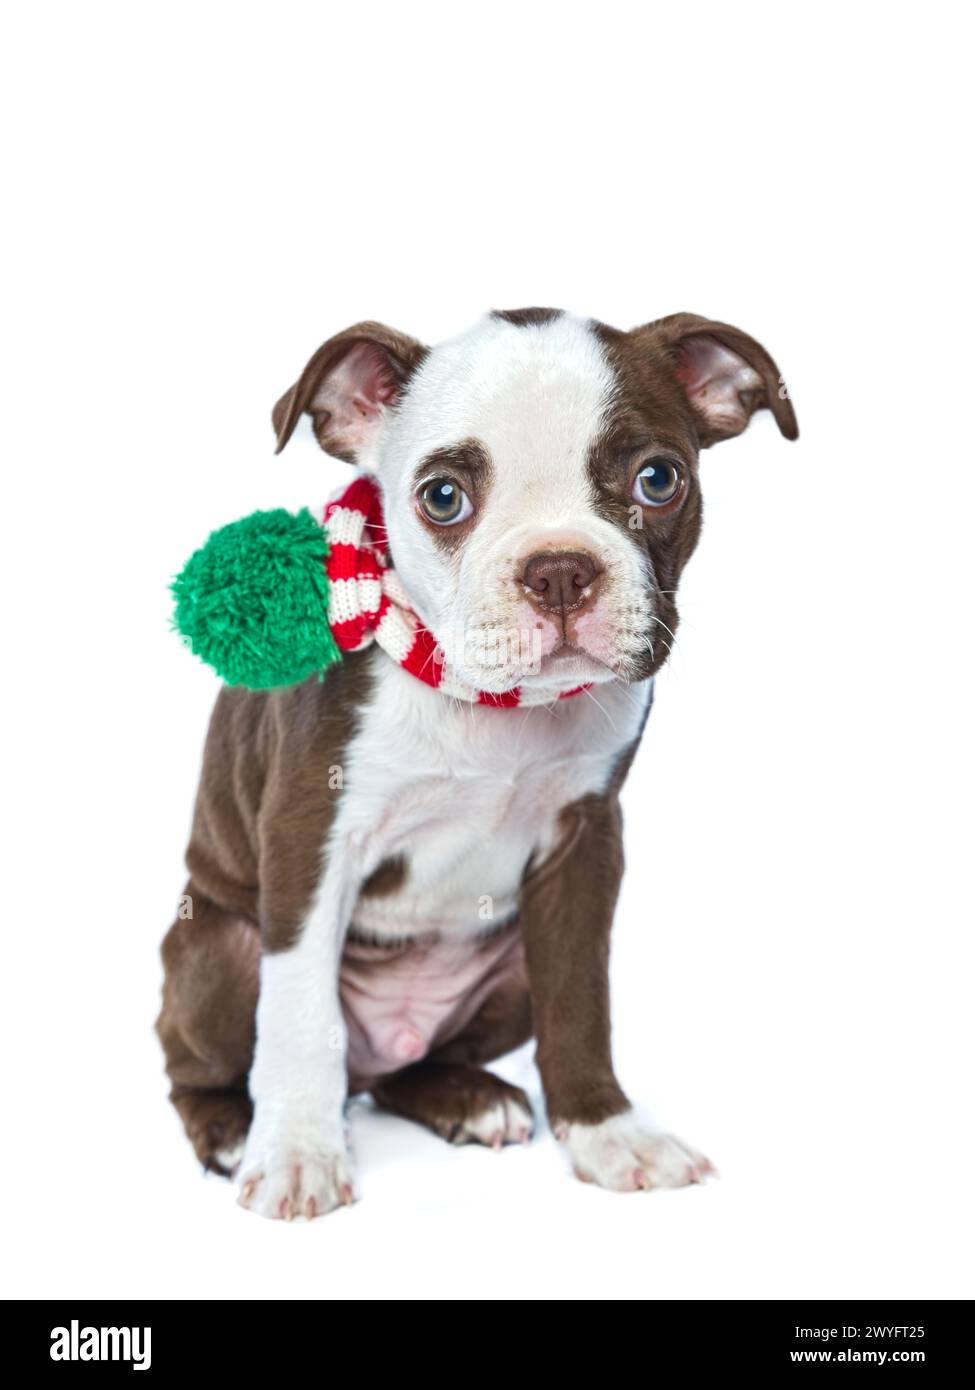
x=567, y=912
x=526, y=318
x=648, y=361
x=388, y=878
x=401, y=354
x=651, y=415
x=445, y=1096
x=206, y=1026
x=269, y=790
x=267, y=796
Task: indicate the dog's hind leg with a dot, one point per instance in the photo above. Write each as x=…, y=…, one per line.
x=453, y=1096
x=206, y=1027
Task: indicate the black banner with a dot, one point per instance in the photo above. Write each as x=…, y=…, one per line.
x=173, y=1339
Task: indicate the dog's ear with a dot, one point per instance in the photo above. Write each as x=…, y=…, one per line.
x=726, y=376
x=347, y=387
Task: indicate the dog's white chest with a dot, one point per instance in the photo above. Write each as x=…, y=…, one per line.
x=464, y=797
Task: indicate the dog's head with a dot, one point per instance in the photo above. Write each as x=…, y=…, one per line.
x=540, y=477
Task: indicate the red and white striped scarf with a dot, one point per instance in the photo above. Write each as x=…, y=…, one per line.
x=367, y=603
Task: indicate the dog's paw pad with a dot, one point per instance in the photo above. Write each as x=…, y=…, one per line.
x=626, y=1156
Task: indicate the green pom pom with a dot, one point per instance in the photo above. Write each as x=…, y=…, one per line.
x=253, y=601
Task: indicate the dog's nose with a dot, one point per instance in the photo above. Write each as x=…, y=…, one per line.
x=559, y=578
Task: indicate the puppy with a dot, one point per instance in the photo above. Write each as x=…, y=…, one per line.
x=391, y=885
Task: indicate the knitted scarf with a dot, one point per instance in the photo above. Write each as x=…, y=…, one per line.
x=367, y=602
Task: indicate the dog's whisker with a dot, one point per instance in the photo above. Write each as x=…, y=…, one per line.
x=605, y=711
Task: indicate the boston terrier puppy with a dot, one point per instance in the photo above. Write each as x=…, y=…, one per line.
x=405, y=869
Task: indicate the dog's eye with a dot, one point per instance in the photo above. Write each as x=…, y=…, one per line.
x=657, y=482
x=444, y=502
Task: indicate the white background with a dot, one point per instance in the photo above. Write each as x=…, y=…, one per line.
x=197, y=195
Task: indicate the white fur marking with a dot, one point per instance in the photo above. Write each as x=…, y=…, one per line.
x=537, y=399
x=626, y=1155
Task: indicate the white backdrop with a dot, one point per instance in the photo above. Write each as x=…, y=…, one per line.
x=197, y=196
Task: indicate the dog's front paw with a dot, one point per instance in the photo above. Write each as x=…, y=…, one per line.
x=283, y=1180
x=626, y=1156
